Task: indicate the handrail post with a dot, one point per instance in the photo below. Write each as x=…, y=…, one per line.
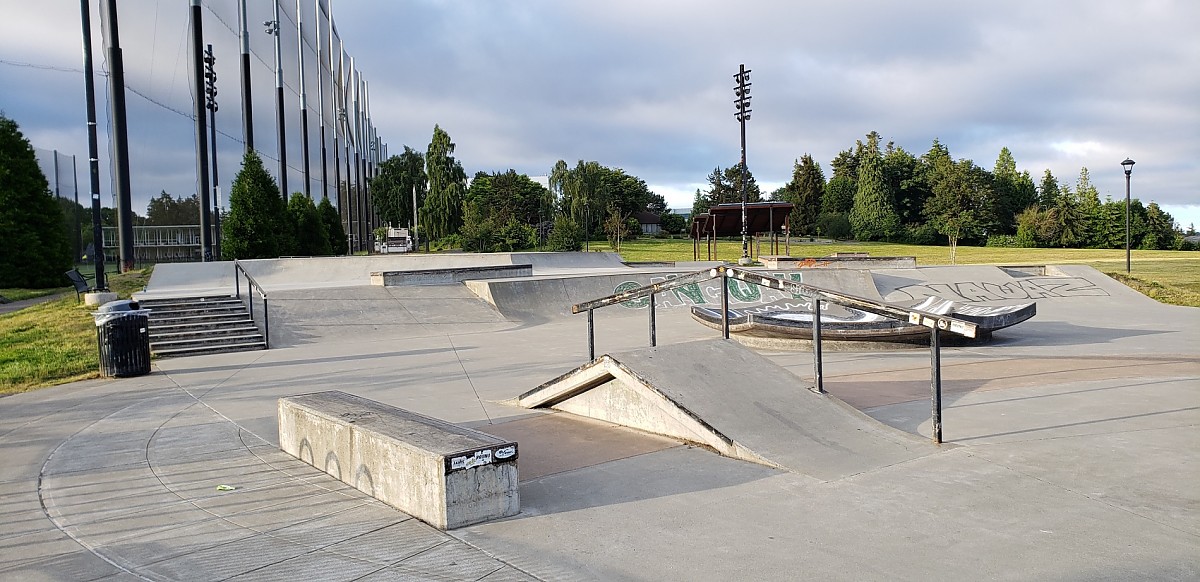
x=591, y=336
x=653, y=339
x=724, y=303
x=237, y=281
x=266, y=324
x=935, y=348
x=250, y=297
x=816, y=337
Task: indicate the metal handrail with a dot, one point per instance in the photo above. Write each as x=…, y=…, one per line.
x=252, y=285
x=935, y=321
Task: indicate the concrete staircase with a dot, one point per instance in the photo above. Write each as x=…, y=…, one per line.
x=191, y=326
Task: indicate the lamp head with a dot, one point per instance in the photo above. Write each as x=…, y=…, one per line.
x=1128, y=165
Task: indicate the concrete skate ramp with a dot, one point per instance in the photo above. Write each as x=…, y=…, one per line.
x=724, y=396
x=553, y=296
x=180, y=279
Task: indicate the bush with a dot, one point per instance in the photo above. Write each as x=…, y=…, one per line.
x=835, y=225
x=920, y=234
x=515, y=235
x=565, y=236
x=1006, y=241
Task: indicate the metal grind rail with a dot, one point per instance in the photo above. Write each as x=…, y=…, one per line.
x=251, y=287
x=937, y=323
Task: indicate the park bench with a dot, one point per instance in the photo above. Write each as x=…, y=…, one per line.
x=80, y=282
x=446, y=475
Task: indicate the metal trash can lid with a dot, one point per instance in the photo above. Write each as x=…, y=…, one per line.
x=116, y=309
x=119, y=305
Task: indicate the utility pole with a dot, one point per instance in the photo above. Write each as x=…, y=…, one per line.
x=120, y=133
x=201, y=133
x=210, y=102
x=247, y=103
x=89, y=90
x=742, y=104
x=280, y=121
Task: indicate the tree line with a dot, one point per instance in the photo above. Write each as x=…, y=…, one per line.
x=889, y=194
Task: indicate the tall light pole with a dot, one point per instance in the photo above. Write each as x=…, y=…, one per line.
x=1128, y=165
x=272, y=28
x=198, y=82
x=742, y=104
x=210, y=102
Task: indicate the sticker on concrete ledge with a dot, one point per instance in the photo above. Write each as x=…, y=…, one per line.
x=481, y=457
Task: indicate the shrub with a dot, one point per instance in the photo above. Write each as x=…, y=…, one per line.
x=1006, y=241
x=835, y=225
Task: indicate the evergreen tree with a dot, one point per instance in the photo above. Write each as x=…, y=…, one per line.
x=901, y=172
x=1047, y=191
x=805, y=192
x=1014, y=191
x=873, y=216
x=36, y=249
x=700, y=203
x=257, y=226
x=1160, y=230
x=1070, y=223
x=441, y=213
x=333, y=227
x=838, y=197
x=1087, y=200
x=311, y=236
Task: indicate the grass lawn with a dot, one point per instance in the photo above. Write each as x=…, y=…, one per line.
x=1167, y=276
x=55, y=342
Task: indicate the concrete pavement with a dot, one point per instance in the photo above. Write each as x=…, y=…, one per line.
x=1075, y=457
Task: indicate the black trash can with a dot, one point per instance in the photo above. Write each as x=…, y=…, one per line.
x=123, y=334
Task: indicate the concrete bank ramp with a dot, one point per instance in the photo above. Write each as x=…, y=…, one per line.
x=722, y=395
x=182, y=279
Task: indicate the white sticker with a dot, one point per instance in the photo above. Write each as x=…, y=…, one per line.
x=505, y=452
x=458, y=463
x=914, y=318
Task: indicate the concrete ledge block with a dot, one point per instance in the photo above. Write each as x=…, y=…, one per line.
x=448, y=276
x=446, y=475
x=96, y=298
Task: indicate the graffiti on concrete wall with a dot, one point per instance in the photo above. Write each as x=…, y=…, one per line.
x=709, y=293
x=1019, y=289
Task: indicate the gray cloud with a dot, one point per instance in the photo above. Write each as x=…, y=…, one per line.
x=647, y=86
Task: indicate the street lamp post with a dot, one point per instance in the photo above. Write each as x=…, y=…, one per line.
x=742, y=104
x=1128, y=165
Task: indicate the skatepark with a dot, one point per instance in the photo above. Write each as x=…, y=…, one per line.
x=1070, y=446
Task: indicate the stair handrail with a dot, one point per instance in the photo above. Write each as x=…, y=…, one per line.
x=251, y=286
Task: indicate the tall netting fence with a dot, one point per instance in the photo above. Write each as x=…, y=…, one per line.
x=62, y=174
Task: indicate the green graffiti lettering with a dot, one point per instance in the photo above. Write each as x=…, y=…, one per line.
x=690, y=292
x=639, y=303
x=743, y=291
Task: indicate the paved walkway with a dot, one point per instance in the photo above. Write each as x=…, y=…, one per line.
x=12, y=306
x=1072, y=454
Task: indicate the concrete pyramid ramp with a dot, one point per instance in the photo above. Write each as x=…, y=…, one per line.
x=722, y=395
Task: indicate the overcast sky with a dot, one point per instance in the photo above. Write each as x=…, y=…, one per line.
x=648, y=85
